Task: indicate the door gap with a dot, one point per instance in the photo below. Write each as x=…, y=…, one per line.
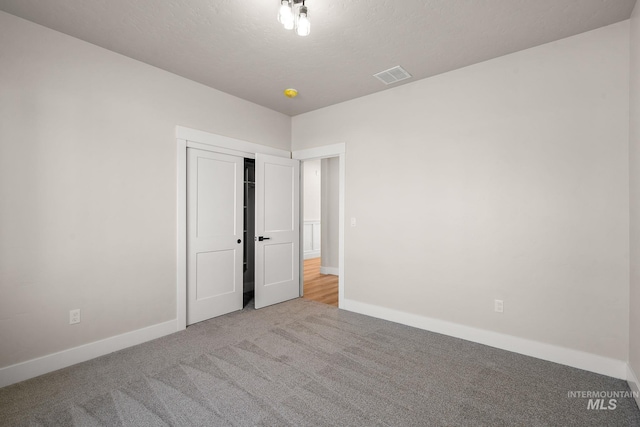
x=249, y=232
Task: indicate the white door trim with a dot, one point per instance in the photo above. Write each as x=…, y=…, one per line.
x=325, y=152
x=239, y=146
x=205, y=141
x=181, y=242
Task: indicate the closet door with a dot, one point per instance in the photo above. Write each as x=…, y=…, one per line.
x=277, y=258
x=214, y=234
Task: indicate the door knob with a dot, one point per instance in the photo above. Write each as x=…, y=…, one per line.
x=239, y=241
x=261, y=238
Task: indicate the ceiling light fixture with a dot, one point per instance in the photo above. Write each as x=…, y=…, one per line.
x=293, y=14
x=290, y=93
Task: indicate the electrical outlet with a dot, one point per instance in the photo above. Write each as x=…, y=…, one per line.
x=353, y=222
x=74, y=316
x=498, y=306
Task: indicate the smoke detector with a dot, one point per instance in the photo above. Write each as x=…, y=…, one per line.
x=392, y=75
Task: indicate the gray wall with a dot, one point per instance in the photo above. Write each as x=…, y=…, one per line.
x=507, y=179
x=88, y=186
x=312, y=184
x=330, y=219
x=634, y=303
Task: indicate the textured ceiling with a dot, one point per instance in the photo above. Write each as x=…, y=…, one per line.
x=238, y=47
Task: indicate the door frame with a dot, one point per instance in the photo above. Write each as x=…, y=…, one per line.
x=192, y=138
x=325, y=152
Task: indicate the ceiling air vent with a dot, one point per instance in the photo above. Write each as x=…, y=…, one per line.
x=392, y=75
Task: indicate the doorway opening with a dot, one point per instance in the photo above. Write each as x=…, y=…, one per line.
x=321, y=230
x=248, y=257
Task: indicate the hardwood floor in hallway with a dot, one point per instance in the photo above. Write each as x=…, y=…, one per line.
x=319, y=287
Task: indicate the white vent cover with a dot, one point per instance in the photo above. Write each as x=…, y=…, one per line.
x=392, y=75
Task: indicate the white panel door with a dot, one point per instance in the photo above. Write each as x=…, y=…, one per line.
x=214, y=234
x=277, y=260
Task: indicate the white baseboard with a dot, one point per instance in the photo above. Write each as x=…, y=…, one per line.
x=565, y=356
x=311, y=254
x=52, y=362
x=329, y=270
x=634, y=384
x=575, y=358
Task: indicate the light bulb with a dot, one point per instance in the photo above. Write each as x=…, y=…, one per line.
x=304, y=25
x=288, y=23
x=285, y=15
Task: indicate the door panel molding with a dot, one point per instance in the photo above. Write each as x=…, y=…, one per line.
x=214, y=234
x=277, y=257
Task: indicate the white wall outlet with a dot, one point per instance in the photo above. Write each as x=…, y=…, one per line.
x=498, y=306
x=74, y=316
x=353, y=222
